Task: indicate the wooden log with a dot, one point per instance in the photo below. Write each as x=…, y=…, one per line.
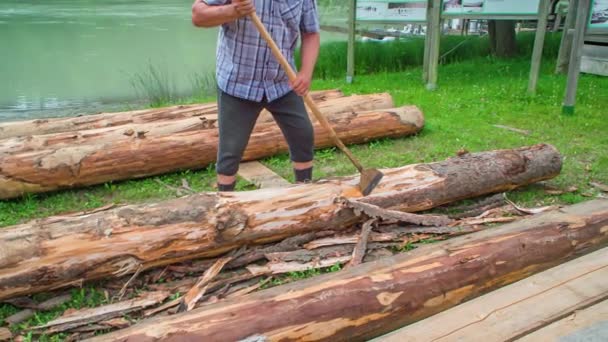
x=146, y=155
x=374, y=298
x=60, y=251
x=69, y=124
x=158, y=128
x=517, y=310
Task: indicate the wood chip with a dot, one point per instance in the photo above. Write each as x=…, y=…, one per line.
x=374, y=211
x=198, y=290
x=166, y=306
x=5, y=334
x=117, y=323
x=599, y=186
x=557, y=191
x=22, y=302
x=473, y=222
x=531, y=211
x=19, y=317
x=78, y=318
x=512, y=129
x=54, y=302
x=286, y=267
x=361, y=245
x=123, y=290
x=248, y=289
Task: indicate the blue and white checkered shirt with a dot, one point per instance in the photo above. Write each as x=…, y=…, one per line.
x=246, y=67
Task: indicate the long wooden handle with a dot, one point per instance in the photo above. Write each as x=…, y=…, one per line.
x=307, y=98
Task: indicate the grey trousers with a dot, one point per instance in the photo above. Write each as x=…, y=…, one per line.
x=237, y=118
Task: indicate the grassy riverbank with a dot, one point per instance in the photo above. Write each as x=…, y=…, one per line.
x=473, y=97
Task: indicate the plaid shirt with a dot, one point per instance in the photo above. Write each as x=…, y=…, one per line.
x=246, y=67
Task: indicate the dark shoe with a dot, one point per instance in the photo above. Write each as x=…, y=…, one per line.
x=226, y=187
x=304, y=175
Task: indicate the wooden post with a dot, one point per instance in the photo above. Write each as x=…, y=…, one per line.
x=575, y=56
x=428, y=37
x=539, y=41
x=352, y=27
x=566, y=44
x=434, y=26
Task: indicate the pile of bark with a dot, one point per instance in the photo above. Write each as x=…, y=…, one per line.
x=197, y=259
x=51, y=154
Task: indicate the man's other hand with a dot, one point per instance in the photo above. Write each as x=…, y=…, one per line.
x=243, y=7
x=301, y=84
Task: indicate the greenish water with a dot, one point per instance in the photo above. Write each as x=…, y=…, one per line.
x=65, y=57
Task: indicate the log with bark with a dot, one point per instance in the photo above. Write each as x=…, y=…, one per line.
x=61, y=251
x=141, y=155
x=86, y=122
x=375, y=298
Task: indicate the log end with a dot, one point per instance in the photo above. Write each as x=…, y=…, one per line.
x=410, y=115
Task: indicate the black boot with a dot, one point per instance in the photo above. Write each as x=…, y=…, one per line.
x=304, y=175
x=226, y=187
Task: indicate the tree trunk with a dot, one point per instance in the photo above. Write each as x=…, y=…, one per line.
x=69, y=124
x=375, y=298
x=193, y=145
x=61, y=251
x=503, y=42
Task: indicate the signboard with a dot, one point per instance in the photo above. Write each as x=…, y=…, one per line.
x=599, y=14
x=392, y=10
x=492, y=7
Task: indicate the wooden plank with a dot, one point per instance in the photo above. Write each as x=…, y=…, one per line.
x=352, y=27
x=590, y=324
x=261, y=176
x=517, y=309
x=539, y=41
x=576, y=56
x=565, y=46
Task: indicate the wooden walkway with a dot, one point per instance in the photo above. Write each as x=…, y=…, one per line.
x=566, y=303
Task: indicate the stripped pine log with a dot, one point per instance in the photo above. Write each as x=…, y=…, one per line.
x=88, y=164
x=60, y=251
x=58, y=125
x=377, y=297
x=133, y=131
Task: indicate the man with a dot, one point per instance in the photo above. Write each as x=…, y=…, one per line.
x=251, y=79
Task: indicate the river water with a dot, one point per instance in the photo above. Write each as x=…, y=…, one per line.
x=67, y=57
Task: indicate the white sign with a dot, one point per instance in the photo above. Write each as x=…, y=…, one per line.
x=491, y=7
x=395, y=10
x=599, y=14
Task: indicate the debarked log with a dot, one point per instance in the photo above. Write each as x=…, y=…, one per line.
x=101, y=120
x=60, y=251
x=375, y=298
x=157, y=128
x=138, y=156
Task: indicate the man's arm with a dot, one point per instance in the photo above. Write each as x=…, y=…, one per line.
x=310, y=51
x=311, y=40
x=211, y=13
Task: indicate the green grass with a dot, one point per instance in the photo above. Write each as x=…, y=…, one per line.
x=405, y=53
x=472, y=97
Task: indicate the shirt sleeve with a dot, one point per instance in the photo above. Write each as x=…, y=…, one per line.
x=310, y=19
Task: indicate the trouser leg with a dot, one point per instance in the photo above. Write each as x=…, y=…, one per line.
x=236, y=119
x=290, y=114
